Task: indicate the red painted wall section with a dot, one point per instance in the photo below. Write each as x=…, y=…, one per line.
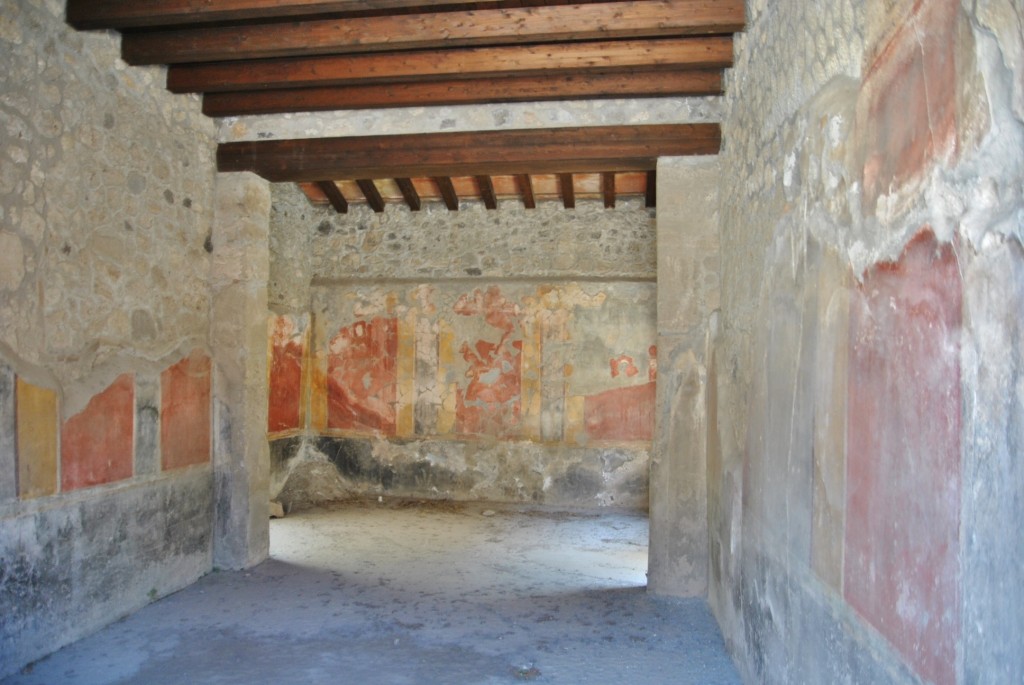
x=490, y=402
x=362, y=376
x=908, y=104
x=185, y=412
x=97, y=444
x=287, y=348
x=621, y=413
x=903, y=470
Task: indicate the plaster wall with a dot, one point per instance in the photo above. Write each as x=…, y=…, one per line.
x=864, y=473
x=505, y=355
x=106, y=205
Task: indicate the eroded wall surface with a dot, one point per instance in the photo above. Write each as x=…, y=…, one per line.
x=105, y=379
x=503, y=355
x=865, y=475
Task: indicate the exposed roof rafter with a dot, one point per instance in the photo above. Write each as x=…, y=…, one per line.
x=435, y=30
x=553, y=150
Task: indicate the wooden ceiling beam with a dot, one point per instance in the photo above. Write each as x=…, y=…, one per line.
x=714, y=52
x=608, y=189
x=526, y=191
x=504, y=152
x=486, y=188
x=568, y=191
x=412, y=198
x=448, y=194
x=569, y=86
x=372, y=195
x=334, y=196
x=123, y=14
x=433, y=31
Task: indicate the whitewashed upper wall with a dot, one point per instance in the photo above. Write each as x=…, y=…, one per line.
x=472, y=118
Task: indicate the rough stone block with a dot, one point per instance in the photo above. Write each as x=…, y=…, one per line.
x=97, y=444
x=902, y=564
x=238, y=337
x=185, y=412
x=37, y=440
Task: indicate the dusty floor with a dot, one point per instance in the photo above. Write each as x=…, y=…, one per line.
x=400, y=593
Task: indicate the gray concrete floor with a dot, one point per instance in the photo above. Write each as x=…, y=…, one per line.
x=401, y=593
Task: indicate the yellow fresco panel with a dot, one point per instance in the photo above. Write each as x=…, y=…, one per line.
x=531, y=382
x=445, y=362
x=575, y=426
x=37, y=440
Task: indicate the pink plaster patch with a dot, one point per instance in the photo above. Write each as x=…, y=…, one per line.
x=624, y=364
x=97, y=444
x=903, y=469
x=286, y=354
x=362, y=376
x=185, y=413
x=621, y=413
x=908, y=103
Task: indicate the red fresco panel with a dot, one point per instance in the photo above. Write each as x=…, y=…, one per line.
x=185, y=413
x=490, y=403
x=362, y=376
x=286, y=355
x=621, y=413
x=96, y=445
x=903, y=471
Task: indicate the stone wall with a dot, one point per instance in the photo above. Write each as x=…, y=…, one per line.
x=864, y=475
x=501, y=355
x=105, y=375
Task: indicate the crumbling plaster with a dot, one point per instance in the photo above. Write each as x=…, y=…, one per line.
x=801, y=233
x=106, y=206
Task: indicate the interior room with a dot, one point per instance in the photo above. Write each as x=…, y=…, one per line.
x=696, y=319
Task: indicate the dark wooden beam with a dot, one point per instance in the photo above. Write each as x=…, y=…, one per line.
x=547, y=24
x=526, y=190
x=119, y=14
x=412, y=198
x=608, y=189
x=712, y=52
x=568, y=190
x=334, y=196
x=371, y=194
x=511, y=152
x=486, y=187
x=451, y=199
x=570, y=86
x=651, y=190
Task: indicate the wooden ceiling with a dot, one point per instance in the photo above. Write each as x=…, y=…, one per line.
x=278, y=56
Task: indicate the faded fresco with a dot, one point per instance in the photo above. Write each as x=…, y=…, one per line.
x=287, y=347
x=567, y=363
